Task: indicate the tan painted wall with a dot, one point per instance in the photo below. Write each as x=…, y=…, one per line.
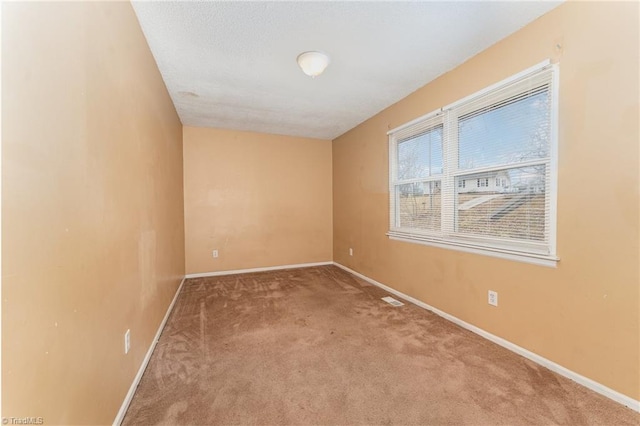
x=92, y=228
x=261, y=200
x=583, y=315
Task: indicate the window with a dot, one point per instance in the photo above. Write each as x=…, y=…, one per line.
x=504, y=134
x=417, y=187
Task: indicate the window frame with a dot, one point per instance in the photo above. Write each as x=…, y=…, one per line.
x=543, y=253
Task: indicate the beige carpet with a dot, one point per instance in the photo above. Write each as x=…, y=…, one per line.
x=318, y=346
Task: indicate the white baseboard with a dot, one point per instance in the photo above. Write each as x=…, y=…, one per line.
x=267, y=268
x=582, y=380
x=132, y=390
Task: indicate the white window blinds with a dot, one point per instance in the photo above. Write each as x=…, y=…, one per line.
x=481, y=172
x=417, y=185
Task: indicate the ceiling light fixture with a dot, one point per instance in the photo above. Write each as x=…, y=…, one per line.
x=313, y=63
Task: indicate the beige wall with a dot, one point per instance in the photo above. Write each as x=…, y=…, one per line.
x=92, y=218
x=583, y=315
x=260, y=200
x=92, y=193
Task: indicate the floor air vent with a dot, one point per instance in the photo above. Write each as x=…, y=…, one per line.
x=390, y=300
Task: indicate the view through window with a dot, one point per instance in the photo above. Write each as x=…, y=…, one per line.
x=481, y=172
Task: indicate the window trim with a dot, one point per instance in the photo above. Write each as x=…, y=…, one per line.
x=530, y=252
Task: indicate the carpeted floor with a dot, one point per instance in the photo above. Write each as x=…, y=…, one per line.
x=318, y=346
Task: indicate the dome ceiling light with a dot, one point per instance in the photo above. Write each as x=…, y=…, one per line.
x=313, y=63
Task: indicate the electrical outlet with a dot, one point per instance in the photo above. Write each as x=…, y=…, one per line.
x=350, y=252
x=215, y=253
x=493, y=298
x=127, y=341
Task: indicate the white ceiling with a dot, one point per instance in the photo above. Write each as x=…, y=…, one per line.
x=233, y=64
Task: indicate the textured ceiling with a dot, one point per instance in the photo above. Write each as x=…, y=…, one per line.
x=233, y=64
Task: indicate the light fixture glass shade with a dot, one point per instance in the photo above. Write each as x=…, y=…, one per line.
x=313, y=63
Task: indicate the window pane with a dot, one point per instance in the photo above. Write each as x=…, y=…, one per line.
x=509, y=132
x=436, y=152
x=506, y=204
x=419, y=205
x=420, y=156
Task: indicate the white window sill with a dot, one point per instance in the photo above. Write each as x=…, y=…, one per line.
x=502, y=253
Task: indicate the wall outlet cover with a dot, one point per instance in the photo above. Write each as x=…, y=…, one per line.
x=493, y=298
x=127, y=341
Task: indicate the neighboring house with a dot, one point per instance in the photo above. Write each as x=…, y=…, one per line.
x=420, y=188
x=489, y=182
